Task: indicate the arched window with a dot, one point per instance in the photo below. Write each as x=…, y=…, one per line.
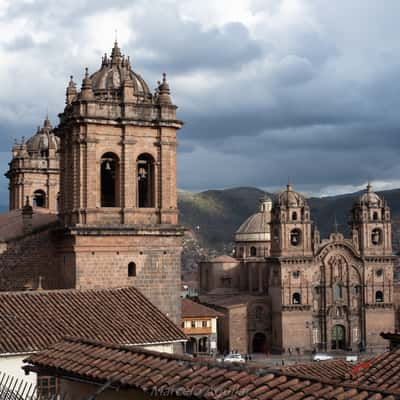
x=258, y=313
x=39, y=198
x=375, y=216
x=294, y=216
x=378, y=296
x=145, y=181
x=296, y=298
x=376, y=236
x=131, y=269
x=295, y=237
x=109, y=180
x=253, y=251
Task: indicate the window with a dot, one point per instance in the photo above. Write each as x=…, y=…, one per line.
x=379, y=272
x=39, y=198
x=258, y=313
x=296, y=298
x=296, y=274
x=145, y=181
x=193, y=324
x=337, y=292
x=294, y=216
x=357, y=290
x=375, y=216
x=376, y=236
x=295, y=237
x=204, y=324
x=253, y=251
x=379, y=296
x=47, y=386
x=109, y=180
x=131, y=269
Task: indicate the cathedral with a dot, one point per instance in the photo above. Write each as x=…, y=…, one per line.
x=294, y=292
x=93, y=201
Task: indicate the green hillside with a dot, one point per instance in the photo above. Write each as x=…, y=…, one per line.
x=214, y=215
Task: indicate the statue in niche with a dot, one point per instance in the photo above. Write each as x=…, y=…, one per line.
x=337, y=265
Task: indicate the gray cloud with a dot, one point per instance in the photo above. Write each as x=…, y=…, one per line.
x=307, y=91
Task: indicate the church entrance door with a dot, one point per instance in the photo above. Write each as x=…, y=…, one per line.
x=259, y=343
x=338, y=337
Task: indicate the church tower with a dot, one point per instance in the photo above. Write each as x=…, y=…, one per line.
x=118, y=184
x=34, y=171
x=291, y=225
x=370, y=223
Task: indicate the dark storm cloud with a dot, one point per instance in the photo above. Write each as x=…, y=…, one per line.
x=184, y=46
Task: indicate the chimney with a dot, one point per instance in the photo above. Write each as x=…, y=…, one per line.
x=27, y=213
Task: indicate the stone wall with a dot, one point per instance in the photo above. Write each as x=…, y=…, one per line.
x=102, y=261
x=24, y=259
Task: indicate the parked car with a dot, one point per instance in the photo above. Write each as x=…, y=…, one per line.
x=234, y=358
x=352, y=358
x=322, y=357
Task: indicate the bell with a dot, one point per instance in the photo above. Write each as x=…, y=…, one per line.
x=142, y=173
x=108, y=167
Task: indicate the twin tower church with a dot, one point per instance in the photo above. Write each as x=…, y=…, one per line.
x=93, y=204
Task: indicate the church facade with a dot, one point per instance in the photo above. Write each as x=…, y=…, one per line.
x=108, y=174
x=299, y=293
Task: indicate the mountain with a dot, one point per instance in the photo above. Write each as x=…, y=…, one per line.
x=213, y=216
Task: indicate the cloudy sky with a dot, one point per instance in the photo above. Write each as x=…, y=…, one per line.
x=268, y=89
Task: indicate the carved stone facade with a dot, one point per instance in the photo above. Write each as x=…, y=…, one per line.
x=334, y=294
x=118, y=215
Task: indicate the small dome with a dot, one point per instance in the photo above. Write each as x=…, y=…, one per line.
x=43, y=139
x=257, y=228
x=114, y=71
x=289, y=198
x=370, y=198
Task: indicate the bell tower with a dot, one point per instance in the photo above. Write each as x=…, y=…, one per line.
x=118, y=184
x=370, y=223
x=291, y=225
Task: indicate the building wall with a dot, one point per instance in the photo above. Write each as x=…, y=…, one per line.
x=238, y=333
x=101, y=261
x=23, y=260
x=12, y=365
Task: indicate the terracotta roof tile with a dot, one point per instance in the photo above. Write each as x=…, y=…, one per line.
x=33, y=321
x=148, y=371
x=192, y=309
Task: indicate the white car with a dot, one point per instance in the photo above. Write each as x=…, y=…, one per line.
x=322, y=357
x=234, y=358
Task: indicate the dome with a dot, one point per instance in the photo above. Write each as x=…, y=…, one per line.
x=114, y=71
x=289, y=198
x=370, y=198
x=43, y=139
x=257, y=226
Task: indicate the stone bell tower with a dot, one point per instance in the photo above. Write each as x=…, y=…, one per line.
x=291, y=225
x=371, y=225
x=118, y=184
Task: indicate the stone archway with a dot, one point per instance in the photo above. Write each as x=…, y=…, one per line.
x=259, y=344
x=338, y=337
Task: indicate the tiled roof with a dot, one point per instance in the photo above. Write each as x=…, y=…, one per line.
x=167, y=374
x=380, y=373
x=11, y=225
x=192, y=309
x=330, y=369
x=31, y=321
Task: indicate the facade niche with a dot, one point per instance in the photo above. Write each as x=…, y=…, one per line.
x=379, y=296
x=253, y=251
x=145, y=181
x=109, y=180
x=39, y=198
x=296, y=298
